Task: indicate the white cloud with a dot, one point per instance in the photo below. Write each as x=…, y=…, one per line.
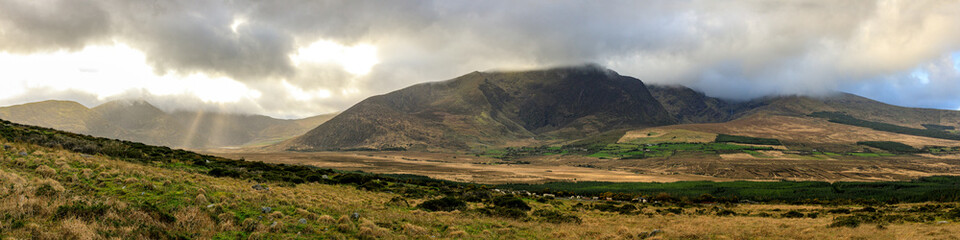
x=300, y=58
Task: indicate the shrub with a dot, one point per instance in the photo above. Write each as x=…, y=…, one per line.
x=503, y=212
x=511, y=202
x=723, y=138
x=443, y=204
x=725, y=212
x=792, y=214
x=81, y=210
x=894, y=147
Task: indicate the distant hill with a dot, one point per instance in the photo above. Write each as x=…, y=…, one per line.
x=142, y=122
x=493, y=108
x=792, y=119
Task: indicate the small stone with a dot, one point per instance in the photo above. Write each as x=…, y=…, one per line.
x=654, y=233
x=23, y=154
x=266, y=209
x=210, y=206
x=942, y=222
x=274, y=224
x=355, y=216
x=302, y=221
x=260, y=187
x=325, y=176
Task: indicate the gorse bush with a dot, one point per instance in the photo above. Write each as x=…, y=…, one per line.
x=443, y=204
x=894, y=147
x=724, y=138
x=495, y=211
x=511, y=202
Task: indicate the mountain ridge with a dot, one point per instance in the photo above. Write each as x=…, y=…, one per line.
x=138, y=120
x=492, y=108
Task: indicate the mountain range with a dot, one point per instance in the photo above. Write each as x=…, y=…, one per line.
x=561, y=105
x=483, y=110
x=142, y=122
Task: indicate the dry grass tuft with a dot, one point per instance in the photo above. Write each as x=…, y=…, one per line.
x=49, y=187
x=345, y=227
x=46, y=171
x=344, y=219
x=275, y=215
x=86, y=173
x=193, y=218
x=326, y=219
x=201, y=199
x=276, y=226
x=306, y=214
x=414, y=230
x=76, y=229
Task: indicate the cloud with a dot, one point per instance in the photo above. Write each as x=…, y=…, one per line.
x=732, y=49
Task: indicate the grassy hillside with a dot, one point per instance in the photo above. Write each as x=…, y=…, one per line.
x=57, y=185
x=484, y=109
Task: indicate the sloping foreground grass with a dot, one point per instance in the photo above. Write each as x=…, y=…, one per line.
x=56, y=194
x=51, y=191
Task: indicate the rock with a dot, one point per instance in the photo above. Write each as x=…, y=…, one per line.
x=942, y=222
x=274, y=224
x=302, y=221
x=645, y=235
x=211, y=205
x=355, y=216
x=325, y=176
x=260, y=187
x=23, y=153
x=266, y=209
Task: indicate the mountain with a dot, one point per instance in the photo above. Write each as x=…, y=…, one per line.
x=689, y=106
x=142, y=122
x=493, y=108
x=807, y=122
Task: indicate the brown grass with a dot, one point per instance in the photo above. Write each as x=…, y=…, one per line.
x=378, y=221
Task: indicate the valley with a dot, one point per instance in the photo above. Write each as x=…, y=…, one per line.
x=772, y=165
x=489, y=155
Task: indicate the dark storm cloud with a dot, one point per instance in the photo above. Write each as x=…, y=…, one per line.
x=734, y=49
x=43, y=25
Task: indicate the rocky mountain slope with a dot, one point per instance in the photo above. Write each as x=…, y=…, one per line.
x=493, y=108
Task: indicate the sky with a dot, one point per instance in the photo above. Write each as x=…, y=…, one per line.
x=292, y=59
